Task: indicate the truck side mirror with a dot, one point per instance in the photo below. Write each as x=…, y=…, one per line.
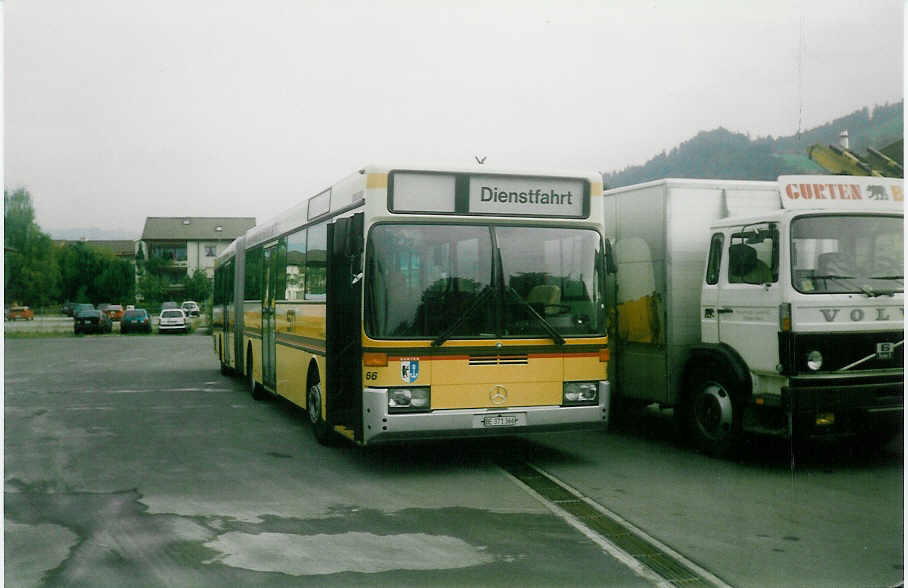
x=610, y=266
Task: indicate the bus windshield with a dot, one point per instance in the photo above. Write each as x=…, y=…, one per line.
x=441, y=281
x=857, y=254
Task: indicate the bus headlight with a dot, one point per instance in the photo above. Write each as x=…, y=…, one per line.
x=408, y=400
x=814, y=360
x=580, y=393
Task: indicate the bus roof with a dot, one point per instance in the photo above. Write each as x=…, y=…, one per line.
x=350, y=190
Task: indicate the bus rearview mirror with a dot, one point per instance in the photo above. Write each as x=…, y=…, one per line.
x=610, y=266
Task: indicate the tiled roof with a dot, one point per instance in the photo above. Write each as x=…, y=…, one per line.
x=184, y=228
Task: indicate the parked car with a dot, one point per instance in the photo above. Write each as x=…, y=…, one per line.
x=190, y=307
x=114, y=311
x=136, y=319
x=169, y=304
x=91, y=321
x=68, y=308
x=79, y=307
x=173, y=319
x=19, y=312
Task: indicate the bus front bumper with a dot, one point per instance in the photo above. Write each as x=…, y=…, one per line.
x=381, y=426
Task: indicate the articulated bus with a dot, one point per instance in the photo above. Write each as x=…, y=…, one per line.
x=411, y=303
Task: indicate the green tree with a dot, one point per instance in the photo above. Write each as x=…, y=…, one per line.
x=117, y=280
x=153, y=288
x=198, y=286
x=93, y=276
x=31, y=273
x=78, y=265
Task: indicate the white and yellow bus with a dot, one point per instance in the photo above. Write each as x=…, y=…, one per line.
x=415, y=303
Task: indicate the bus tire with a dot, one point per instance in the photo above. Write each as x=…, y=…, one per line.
x=713, y=411
x=320, y=429
x=255, y=389
x=225, y=369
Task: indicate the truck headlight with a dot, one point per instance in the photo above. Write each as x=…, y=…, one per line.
x=580, y=393
x=408, y=400
x=814, y=360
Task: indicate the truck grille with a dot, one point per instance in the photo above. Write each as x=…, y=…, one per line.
x=842, y=349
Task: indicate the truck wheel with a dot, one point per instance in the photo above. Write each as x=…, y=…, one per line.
x=713, y=413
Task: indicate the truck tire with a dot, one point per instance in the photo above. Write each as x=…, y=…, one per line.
x=713, y=411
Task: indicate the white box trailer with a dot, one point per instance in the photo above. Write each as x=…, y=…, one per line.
x=726, y=313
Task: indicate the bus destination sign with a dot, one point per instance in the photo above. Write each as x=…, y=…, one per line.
x=519, y=196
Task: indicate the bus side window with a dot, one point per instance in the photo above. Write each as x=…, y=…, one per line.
x=316, y=262
x=253, y=287
x=296, y=265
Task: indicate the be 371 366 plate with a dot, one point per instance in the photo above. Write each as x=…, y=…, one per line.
x=495, y=420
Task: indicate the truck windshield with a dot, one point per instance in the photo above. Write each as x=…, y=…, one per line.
x=451, y=281
x=860, y=254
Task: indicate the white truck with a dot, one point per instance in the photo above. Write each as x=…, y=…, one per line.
x=768, y=307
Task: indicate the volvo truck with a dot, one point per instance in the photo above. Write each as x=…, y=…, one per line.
x=765, y=307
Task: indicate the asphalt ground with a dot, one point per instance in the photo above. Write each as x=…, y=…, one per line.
x=130, y=461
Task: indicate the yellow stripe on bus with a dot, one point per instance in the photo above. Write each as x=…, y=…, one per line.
x=377, y=181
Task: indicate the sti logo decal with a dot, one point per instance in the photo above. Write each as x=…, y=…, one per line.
x=409, y=369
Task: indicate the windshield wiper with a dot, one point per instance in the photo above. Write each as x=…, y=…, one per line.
x=559, y=340
x=446, y=334
x=887, y=277
x=871, y=293
x=833, y=277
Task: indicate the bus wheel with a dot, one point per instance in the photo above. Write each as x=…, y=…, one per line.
x=255, y=389
x=225, y=369
x=713, y=413
x=323, y=433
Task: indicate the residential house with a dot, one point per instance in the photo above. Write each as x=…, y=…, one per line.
x=189, y=243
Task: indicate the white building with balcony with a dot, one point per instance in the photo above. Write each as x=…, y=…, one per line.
x=189, y=243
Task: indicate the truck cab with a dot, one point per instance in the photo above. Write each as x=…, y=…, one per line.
x=809, y=300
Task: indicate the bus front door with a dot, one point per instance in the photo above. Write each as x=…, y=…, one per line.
x=268, y=288
x=344, y=324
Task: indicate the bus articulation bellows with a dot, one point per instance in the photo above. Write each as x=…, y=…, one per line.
x=415, y=303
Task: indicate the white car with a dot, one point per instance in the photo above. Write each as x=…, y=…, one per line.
x=173, y=319
x=190, y=307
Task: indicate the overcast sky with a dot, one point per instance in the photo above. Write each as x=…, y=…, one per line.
x=116, y=110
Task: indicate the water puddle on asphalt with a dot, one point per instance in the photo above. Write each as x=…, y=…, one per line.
x=307, y=555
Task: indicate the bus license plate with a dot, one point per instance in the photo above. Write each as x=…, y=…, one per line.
x=489, y=421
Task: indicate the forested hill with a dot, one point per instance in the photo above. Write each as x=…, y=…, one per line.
x=723, y=154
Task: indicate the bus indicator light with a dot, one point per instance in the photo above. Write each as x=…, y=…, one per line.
x=375, y=359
